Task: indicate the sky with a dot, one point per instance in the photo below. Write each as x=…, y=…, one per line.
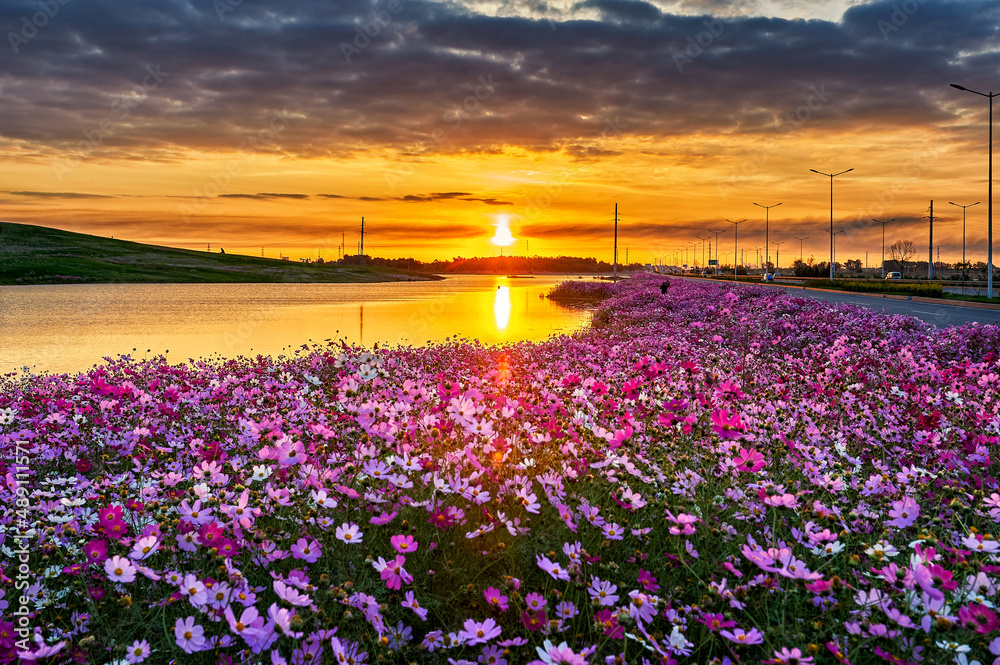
x=275, y=127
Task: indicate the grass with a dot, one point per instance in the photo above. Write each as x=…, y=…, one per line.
x=41, y=255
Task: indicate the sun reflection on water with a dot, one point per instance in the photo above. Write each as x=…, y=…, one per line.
x=501, y=307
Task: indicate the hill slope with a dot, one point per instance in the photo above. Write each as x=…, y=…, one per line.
x=41, y=255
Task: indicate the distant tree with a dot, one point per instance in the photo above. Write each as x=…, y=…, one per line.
x=901, y=251
x=853, y=264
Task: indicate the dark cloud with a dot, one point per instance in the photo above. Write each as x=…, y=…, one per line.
x=111, y=79
x=61, y=195
x=426, y=198
x=265, y=196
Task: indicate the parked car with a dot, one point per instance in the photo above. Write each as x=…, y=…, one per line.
x=893, y=275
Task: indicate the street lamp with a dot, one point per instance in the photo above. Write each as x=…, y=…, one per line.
x=716, y=247
x=963, y=207
x=833, y=251
x=736, y=251
x=777, y=254
x=883, y=223
x=831, y=176
x=800, y=246
x=703, y=264
x=767, y=250
x=989, y=228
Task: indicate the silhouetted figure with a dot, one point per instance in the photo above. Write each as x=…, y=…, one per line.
x=664, y=286
x=222, y=251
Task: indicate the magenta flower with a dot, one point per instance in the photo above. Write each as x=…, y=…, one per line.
x=290, y=594
x=979, y=618
x=404, y=544
x=495, y=600
x=727, y=426
x=607, y=621
x=533, y=620
x=749, y=460
x=96, y=551
x=647, y=581
x=394, y=574
x=715, y=622
x=473, y=632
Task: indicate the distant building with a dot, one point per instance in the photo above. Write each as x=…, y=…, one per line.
x=306, y=260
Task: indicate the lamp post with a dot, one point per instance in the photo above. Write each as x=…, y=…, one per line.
x=963, y=207
x=777, y=254
x=767, y=250
x=989, y=214
x=800, y=246
x=703, y=264
x=833, y=250
x=736, y=251
x=831, y=176
x=716, y=247
x=883, y=223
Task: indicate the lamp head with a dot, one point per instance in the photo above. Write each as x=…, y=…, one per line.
x=958, y=87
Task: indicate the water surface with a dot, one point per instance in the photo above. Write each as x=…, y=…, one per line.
x=69, y=328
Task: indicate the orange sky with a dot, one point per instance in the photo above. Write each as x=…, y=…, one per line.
x=272, y=129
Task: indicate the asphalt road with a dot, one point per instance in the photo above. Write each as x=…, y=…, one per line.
x=941, y=316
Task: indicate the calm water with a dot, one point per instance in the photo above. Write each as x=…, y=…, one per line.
x=70, y=328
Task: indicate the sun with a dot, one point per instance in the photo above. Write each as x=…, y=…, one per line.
x=502, y=237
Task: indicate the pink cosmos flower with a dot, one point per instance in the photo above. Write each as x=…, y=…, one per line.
x=727, y=426
x=410, y=602
x=282, y=618
x=562, y=654
x=349, y=533
x=120, y=569
x=190, y=636
x=473, y=632
x=403, y=544
x=904, y=513
x=554, y=569
x=533, y=620
x=290, y=594
x=495, y=600
x=393, y=573
x=603, y=592
x=715, y=622
x=96, y=551
x=194, y=590
x=979, y=618
x=749, y=460
x=145, y=548
x=786, y=657
x=138, y=652
x=607, y=621
x=740, y=636
x=306, y=550
x=248, y=625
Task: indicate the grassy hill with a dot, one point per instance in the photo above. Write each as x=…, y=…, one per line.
x=40, y=255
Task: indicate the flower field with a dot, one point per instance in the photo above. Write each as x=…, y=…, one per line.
x=718, y=474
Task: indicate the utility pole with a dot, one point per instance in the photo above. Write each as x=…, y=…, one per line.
x=261, y=252
x=615, y=273
x=362, y=250
x=209, y=250
x=930, y=247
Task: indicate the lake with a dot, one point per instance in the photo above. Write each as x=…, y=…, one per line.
x=70, y=328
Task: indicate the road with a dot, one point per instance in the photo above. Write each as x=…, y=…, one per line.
x=941, y=316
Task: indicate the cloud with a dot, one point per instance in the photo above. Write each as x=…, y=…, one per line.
x=265, y=196
x=62, y=195
x=441, y=79
x=426, y=198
